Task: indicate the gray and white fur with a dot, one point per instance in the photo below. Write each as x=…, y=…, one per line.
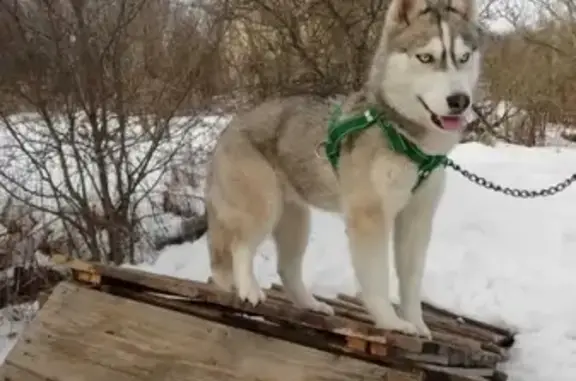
x=265, y=175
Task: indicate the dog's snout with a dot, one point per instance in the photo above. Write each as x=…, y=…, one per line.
x=458, y=102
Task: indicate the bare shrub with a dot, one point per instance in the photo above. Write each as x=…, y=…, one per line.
x=113, y=91
x=278, y=47
x=531, y=68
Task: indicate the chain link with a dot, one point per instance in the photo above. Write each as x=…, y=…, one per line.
x=514, y=192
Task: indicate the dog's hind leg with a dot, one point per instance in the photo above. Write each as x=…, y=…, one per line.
x=219, y=246
x=291, y=237
x=233, y=243
x=243, y=205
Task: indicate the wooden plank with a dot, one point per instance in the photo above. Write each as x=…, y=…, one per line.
x=10, y=372
x=87, y=335
x=351, y=332
x=279, y=310
x=356, y=347
x=444, y=320
x=296, y=334
x=271, y=309
x=472, y=333
x=467, y=319
x=461, y=373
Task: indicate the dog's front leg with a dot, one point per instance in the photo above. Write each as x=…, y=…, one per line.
x=369, y=228
x=412, y=231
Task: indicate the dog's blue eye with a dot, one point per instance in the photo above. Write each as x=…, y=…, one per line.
x=425, y=58
x=465, y=57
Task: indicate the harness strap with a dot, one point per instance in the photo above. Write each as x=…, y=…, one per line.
x=339, y=129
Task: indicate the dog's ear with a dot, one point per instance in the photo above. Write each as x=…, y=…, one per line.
x=467, y=8
x=400, y=11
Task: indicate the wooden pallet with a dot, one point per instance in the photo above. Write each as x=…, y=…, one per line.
x=462, y=349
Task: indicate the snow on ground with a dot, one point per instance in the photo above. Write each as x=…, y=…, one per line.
x=8, y=337
x=12, y=322
x=504, y=260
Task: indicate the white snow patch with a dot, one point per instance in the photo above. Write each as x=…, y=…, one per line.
x=13, y=320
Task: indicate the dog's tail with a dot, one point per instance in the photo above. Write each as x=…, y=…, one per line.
x=192, y=230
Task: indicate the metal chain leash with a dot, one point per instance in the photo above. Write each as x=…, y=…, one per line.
x=514, y=192
x=482, y=181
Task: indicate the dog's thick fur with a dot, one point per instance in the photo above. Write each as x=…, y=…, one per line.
x=265, y=172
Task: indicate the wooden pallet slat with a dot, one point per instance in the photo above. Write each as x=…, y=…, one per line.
x=89, y=335
x=446, y=321
x=462, y=348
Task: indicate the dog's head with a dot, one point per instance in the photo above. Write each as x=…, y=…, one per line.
x=428, y=61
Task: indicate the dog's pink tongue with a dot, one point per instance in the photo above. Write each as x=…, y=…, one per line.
x=451, y=122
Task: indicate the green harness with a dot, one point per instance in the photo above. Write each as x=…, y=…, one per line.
x=338, y=129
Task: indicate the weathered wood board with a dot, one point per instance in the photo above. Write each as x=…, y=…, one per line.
x=130, y=324
x=82, y=334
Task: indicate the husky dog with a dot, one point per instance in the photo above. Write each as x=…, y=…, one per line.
x=265, y=172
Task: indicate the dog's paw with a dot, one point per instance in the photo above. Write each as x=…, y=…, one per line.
x=251, y=292
x=423, y=329
x=398, y=325
x=321, y=307
x=417, y=320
